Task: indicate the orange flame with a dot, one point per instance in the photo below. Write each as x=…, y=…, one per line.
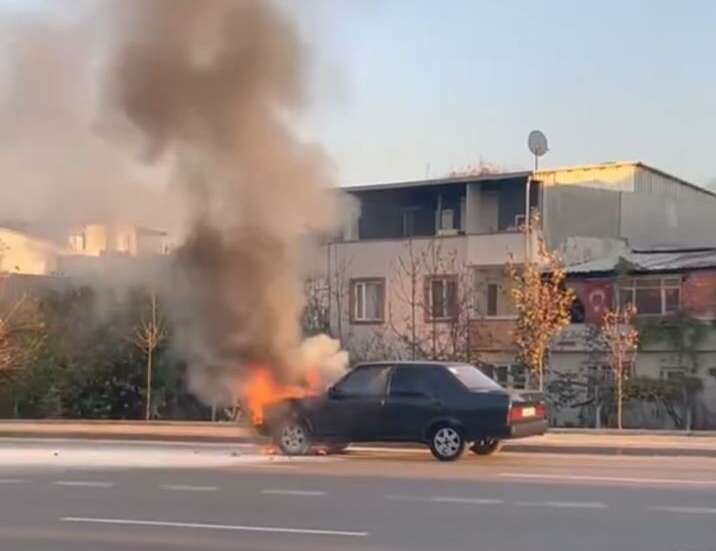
x=262, y=390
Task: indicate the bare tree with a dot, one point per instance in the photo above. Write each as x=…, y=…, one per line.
x=149, y=334
x=431, y=302
x=337, y=286
x=542, y=301
x=622, y=340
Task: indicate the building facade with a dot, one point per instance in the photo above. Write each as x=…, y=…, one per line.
x=420, y=268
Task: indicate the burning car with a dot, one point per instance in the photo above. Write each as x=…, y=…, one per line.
x=446, y=406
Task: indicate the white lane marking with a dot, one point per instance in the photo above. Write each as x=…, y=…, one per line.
x=563, y=504
x=468, y=500
x=608, y=478
x=187, y=488
x=201, y=525
x=462, y=500
x=12, y=481
x=272, y=492
x=84, y=483
x=686, y=510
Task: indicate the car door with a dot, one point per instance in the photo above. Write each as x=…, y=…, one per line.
x=412, y=402
x=352, y=411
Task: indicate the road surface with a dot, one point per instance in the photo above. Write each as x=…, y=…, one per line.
x=87, y=496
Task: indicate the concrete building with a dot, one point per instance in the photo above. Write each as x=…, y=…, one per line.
x=674, y=289
x=125, y=239
x=420, y=268
x=24, y=253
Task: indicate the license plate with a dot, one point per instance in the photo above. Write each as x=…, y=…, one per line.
x=529, y=412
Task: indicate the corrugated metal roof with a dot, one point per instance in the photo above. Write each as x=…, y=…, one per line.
x=440, y=181
x=649, y=261
x=520, y=174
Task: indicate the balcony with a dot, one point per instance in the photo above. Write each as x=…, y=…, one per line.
x=496, y=249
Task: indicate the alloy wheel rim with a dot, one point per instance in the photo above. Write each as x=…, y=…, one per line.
x=447, y=441
x=293, y=438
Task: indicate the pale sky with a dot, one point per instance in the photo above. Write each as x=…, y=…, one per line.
x=405, y=88
x=450, y=82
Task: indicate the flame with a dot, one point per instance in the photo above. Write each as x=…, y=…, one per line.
x=262, y=390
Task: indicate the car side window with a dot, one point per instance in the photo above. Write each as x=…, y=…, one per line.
x=367, y=381
x=412, y=382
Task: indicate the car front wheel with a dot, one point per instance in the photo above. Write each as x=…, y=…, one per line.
x=487, y=446
x=293, y=438
x=447, y=443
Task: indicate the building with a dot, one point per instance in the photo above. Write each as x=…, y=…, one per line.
x=420, y=267
x=674, y=289
x=111, y=254
x=121, y=239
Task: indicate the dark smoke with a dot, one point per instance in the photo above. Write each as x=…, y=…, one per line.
x=214, y=84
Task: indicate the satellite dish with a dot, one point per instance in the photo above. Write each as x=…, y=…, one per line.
x=537, y=142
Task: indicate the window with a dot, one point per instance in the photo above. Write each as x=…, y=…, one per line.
x=412, y=382
x=492, y=294
x=509, y=375
x=442, y=297
x=492, y=291
x=367, y=300
x=472, y=378
x=78, y=241
x=652, y=297
x=366, y=381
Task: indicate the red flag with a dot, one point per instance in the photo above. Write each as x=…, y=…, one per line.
x=597, y=300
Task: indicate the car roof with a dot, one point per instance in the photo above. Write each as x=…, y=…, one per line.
x=412, y=363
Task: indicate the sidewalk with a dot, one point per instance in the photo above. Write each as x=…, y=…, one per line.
x=561, y=441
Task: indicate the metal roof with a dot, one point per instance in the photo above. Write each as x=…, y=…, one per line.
x=519, y=174
x=663, y=260
x=439, y=181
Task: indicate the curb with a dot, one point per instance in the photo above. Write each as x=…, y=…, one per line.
x=605, y=450
x=243, y=437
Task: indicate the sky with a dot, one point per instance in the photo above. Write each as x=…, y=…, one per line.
x=404, y=89
x=417, y=87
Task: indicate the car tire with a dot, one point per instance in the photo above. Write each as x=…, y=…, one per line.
x=293, y=438
x=336, y=447
x=447, y=443
x=486, y=446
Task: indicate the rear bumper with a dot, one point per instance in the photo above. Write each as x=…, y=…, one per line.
x=529, y=428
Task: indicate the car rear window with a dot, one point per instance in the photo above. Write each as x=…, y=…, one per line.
x=473, y=378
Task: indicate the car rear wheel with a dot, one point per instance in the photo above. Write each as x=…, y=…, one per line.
x=293, y=438
x=447, y=443
x=486, y=446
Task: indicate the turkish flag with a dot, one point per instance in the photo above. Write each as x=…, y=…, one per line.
x=597, y=300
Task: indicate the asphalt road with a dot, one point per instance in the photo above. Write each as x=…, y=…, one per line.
x=90, y=496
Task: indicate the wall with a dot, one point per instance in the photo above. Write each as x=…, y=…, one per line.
x=24, y=254
x=687, y=219
x=381, y=259
x=574, y=351
x=573, y=211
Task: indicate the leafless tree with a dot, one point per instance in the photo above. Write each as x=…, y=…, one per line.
x=622, y=340
x=148, y=335
x=431, y=302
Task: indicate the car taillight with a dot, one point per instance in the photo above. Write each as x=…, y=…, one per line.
x=520, y=413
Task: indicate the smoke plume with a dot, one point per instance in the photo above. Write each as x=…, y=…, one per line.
x=215, y=83
x=177, y=114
